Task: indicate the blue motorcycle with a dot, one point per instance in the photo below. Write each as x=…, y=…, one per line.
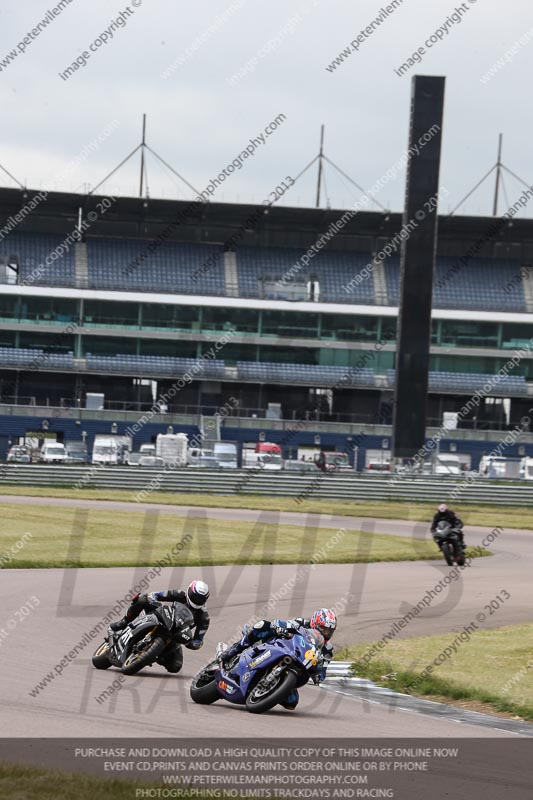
x=264, y=674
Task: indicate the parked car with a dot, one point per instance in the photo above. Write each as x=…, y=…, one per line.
x=19, y=454
x=151, y=461
x=293, y=465
x=198, y=457
x=76, y=453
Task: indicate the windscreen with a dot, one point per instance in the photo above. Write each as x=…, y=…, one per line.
x=183, y=615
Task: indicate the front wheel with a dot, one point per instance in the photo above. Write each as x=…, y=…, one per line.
x=100, y=658
x=447, y=553
x=263, y=698
x=143, y=657
x=204, y=687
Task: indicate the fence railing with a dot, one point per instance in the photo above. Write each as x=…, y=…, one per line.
x=309, y=485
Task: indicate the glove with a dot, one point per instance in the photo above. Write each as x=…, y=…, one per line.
x=320, y=675
x=283, y=629
x=195, y=644
x=226, y=656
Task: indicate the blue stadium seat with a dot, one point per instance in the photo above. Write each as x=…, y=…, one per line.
x=140, y=265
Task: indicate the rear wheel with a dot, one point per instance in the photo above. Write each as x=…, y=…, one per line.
x=100, y=658
x=264, y=697
x=447, y=553
x=204, y=687
x=143, y=656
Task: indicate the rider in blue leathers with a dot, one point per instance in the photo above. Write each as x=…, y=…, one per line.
x=324, y=621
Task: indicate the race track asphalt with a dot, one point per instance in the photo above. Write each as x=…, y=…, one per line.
x=370, y=598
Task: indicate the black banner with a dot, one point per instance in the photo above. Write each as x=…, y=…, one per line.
x=405, y=769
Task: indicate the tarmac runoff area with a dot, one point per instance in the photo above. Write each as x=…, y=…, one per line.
x=370, y=598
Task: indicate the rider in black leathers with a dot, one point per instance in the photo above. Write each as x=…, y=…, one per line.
x=445, y=514
x=194, y=598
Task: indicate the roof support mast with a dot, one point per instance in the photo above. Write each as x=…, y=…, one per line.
x=320, y=157
x=498, y=176
x=143, y=145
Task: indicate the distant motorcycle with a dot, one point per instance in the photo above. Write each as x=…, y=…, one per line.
x=264, y=674
x=449, y=541
x=144, y=641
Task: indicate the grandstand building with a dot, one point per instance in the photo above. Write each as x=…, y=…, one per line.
x=199, y=306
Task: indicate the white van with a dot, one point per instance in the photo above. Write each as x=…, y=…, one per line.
x=268, y=461
x=53, y=453
x=526, y=468
x=493, y=466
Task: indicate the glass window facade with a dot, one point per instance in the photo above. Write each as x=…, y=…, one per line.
x=111, y=314
x=329, y=335
x=290, y=324
x=48, y=309
x=244, y=320
x=52, y=342
x=463, y=333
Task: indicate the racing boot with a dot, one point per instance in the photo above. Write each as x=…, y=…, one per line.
x=291, y=701
x=172, y=659
x=228, y=656
x=120, y=624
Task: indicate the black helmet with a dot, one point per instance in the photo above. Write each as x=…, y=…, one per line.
x=197, y=594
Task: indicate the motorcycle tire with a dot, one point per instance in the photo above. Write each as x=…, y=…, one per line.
x=100, y=660
x=136, y=661
x=447, y=553
x=264, y=703
x=203, y=688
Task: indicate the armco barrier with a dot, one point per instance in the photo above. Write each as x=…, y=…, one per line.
x=308, y=485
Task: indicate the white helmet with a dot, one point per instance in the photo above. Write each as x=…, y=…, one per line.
x=197, y=594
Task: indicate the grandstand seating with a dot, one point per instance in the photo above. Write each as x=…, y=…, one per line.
x=478, y=285
x=273, y=372
x=169, y=267
x=260, y=372
x=32, y=250
x=132, y=264
x=35, y=359
x=332, y=269
x=468, y=383
x=156, y=365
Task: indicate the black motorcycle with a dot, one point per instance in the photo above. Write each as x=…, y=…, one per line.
x=146, y=640
x=449, y=541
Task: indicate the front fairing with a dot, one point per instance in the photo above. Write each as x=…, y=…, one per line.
x=134, y=632
x=257, y=660
x=178, y=620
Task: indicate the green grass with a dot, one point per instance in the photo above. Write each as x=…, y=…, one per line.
x=487, y=516
x=494, y=667
x=31, y=783
x=68, y=537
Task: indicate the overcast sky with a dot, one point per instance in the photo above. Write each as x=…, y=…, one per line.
x=199, y=122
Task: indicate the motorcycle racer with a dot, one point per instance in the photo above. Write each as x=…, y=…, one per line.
x=323, y=621
x=195, y=598
x=447, y=515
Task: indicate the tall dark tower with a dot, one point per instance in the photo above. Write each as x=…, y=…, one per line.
x=417, y=267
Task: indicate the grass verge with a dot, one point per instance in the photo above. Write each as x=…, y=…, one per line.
x=487, y=516
x=19, y=782
x=494, y=667
x=67, y=537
